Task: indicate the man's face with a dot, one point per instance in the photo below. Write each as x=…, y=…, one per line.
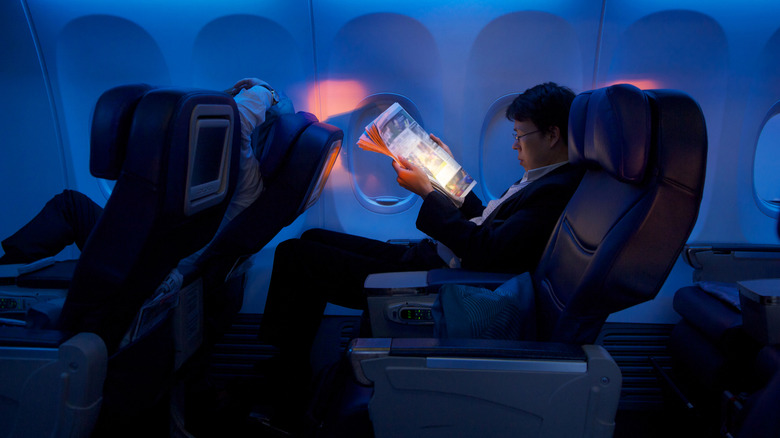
x=531, y=144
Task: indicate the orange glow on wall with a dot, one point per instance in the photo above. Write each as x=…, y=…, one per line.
x=642, y=84
x=338, y=97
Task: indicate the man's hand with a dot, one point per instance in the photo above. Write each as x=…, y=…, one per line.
x=244, y=84
x=441, y=144
x=412, y=178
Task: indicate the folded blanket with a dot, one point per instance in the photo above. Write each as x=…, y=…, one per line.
x=728, y=293
x=474, y=312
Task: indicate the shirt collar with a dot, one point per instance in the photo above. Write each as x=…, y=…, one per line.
x=534, y=174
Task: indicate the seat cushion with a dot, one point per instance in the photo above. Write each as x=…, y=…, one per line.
x=706, y=312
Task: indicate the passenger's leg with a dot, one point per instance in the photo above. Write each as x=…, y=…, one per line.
x=306, y=275
x=321, y=267
x=374, y=249
x=67, y=218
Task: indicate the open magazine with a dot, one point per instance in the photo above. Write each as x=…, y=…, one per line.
x=396, y=134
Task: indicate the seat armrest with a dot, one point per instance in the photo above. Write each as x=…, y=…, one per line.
x=421, y=282
x=486, y=348
x=396, y=283
x=692, y=251
x=487, y=387
x=565, y=356
x=732, y=262
x=491, y=280
x=11, y=336
x=399, y=303
x=52, y=383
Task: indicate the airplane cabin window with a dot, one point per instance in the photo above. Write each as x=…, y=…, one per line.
x=495, y=77
x=370, y=60
x=373, y=176
x=764, y=94
x=766, y=179
x=498, y=169
x=87, y=66
x=236, y=46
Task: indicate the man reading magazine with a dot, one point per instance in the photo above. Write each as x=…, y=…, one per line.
x=509, y=235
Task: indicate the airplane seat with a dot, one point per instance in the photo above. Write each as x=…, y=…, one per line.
x=296, y=153
x=176, y=181
x=296, y=157
x=759, y=418
x=178, y=154
x=296, y=160
x=112, y=121
x=710, y=349
x=613, y=247
x=629, y=241
x=724, y=348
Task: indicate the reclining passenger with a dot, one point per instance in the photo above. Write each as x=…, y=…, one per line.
x=507, y=235
x=70, y=216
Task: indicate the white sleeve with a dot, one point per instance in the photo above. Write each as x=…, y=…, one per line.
x=252, y=104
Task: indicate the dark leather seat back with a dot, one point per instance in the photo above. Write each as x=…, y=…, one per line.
x=112, y=120
x=623, y=229
x=160, y=145
x=296, y=159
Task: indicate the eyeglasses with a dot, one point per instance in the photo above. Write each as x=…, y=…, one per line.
x=518, y=137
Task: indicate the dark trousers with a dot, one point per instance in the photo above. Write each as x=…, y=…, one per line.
x=326, y=266
x=67, y=218
x=321, y=267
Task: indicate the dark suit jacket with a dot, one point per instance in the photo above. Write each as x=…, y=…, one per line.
x=513, y=238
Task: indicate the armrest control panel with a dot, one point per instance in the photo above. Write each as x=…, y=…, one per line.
x=410, y=313
x=401, y=316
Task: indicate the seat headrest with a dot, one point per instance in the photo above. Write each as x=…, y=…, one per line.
x=610, y=128
x=111, y=122
x=271, y=148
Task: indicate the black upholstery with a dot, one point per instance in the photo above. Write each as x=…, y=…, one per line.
x=722, y=365
x=709, y=346
x=763, y=421
x=281, y=137
x=610, y=129
x=296, y=160
x=144, y=230
x=710, y=350
x=623, y=229
x=112, y=121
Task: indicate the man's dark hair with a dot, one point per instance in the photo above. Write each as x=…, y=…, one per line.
x=546, y=105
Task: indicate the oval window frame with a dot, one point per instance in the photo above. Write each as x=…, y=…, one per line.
x=390, y=205
x=496, y=109
x=770, y=208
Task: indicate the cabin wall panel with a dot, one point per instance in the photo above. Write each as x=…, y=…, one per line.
x=458, y=63
x=762, y=104
x=32, y=169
